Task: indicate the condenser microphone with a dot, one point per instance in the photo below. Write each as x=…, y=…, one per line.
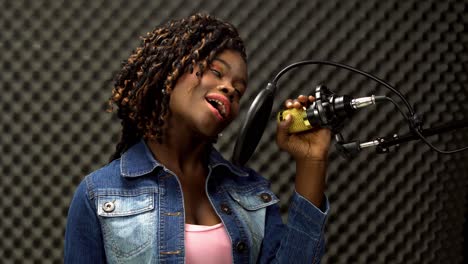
x=328, y=110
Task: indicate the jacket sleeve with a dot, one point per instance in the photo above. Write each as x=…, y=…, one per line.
x=301, y=240
x=83, y=238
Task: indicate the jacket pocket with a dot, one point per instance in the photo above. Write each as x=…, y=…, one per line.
x=250, y=204
x=254, y=198
x=127, y=220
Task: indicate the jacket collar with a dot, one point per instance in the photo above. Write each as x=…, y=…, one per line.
x=138, y=161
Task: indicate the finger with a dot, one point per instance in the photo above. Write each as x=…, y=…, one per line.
x=288, y=103
x=297, y=104
x=311, y=98
x=302, y=99
x=282, y=130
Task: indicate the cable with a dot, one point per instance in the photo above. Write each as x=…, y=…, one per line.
x=339, y=65
x=395, y=104
x=413, y=119
x=436, y=149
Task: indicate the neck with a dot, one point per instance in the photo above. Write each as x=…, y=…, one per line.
x=181, y=151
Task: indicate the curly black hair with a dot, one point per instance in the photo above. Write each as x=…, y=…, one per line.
x=142, y=87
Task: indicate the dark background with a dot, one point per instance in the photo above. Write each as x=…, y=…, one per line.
x=409, y=206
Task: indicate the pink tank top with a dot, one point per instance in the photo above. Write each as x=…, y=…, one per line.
x=207, y=244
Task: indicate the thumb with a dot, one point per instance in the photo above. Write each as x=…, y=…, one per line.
x=282, y=133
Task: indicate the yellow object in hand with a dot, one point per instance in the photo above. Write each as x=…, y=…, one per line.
x=300, y=122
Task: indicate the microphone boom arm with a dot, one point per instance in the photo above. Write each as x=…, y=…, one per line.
x=384, y=144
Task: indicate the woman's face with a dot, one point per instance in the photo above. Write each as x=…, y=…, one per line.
x=208, y=104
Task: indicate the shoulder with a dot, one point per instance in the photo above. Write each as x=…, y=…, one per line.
x=109, y=170
x=86, y=191
x=107, y=176
x=239, y=174
x=245, y=185
x=252, y=177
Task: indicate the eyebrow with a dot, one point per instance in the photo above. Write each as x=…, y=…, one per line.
x=223, y=62
x=244, y=82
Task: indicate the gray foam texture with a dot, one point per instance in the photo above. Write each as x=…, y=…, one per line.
x=408, y=206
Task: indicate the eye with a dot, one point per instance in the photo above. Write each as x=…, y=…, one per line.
x=239, y=94
x=216, y=72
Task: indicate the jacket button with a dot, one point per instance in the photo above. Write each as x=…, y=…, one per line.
x=266, y=197
x=108, y=207
x=225, y=208
x=241, y=247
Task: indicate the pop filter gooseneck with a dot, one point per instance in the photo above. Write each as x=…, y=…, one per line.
x=254, y=125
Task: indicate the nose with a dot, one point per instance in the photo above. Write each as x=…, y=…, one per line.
x=228, y=91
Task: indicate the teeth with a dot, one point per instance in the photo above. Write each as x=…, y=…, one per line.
x=221, y=108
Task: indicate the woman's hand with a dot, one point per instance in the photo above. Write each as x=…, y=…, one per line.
x=308, y=145
x=310, y=151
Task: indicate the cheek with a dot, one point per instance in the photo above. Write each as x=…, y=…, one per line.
x=177, y=100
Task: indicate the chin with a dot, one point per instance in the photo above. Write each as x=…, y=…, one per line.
x=213, y=134
x=211, y=129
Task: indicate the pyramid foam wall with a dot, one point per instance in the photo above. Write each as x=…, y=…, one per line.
x=406, y=206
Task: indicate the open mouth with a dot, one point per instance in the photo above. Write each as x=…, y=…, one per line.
x=220, y=105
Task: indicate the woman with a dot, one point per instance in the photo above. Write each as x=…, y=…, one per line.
x=168, y=196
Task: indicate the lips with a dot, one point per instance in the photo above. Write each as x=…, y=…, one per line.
x=219, y=105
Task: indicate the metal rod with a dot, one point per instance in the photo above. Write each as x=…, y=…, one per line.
x=391, y=140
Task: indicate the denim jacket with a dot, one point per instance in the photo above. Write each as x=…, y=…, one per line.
x=132, y=211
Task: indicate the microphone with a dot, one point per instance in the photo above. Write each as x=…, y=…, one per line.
x=328, y=110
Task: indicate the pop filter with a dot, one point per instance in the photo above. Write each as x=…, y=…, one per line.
x=254, y=125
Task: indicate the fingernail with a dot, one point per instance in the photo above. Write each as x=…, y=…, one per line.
x=288, y=104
